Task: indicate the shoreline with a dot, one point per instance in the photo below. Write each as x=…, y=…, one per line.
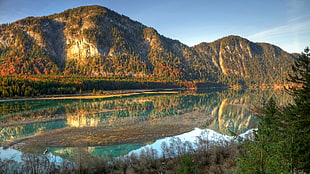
x=106, y=94
x=114, y=94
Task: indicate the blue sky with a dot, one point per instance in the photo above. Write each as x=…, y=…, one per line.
x=285, y=23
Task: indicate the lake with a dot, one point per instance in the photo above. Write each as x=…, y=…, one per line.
x=128, y=122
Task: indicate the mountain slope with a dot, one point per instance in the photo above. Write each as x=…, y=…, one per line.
x=96, y=41
x=241, y=61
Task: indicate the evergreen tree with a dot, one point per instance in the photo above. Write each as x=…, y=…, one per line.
x=281, y=143
x=265, y=153
x=298, y=114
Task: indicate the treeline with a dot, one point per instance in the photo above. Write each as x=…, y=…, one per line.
x=35, y=85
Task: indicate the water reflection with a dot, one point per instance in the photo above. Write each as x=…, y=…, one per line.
x=99, y=151
x=232, y=113
x=228, y=110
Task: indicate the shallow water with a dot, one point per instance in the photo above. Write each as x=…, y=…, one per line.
x=220, y=110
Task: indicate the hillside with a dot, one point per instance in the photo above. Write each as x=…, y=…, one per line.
x=240, y=61
x=96, y=41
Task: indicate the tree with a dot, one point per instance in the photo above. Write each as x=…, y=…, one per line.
x=265, y=153
x=281, y=143
x=298, y=114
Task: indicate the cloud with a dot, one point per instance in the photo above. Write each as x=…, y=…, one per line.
x=298, y=18
x=293, y=37
x=285, y=30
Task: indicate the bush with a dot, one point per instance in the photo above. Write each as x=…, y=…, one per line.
x=187, y=165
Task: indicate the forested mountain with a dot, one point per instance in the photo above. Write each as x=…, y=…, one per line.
x=96, y=41
x=240, y=61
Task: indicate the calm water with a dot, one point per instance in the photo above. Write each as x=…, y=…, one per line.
x=221, y=110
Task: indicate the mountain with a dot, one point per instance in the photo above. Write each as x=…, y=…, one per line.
x=96, y=41
x=241, y=61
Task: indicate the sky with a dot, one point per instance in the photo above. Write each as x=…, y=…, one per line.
x=285, y=23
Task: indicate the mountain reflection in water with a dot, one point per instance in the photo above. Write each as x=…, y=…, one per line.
x=220, y=110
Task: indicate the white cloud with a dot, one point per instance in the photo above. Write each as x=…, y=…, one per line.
x=298, y=18
x=293, y=37
x=285, y=30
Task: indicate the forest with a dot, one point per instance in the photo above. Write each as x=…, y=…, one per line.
x=40, y=85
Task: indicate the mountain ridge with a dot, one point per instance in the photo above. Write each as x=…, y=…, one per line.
x=96, y=41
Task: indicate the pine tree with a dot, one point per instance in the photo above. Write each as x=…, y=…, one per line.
x=265, y=153
x=298, y=114
x=281, y=143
